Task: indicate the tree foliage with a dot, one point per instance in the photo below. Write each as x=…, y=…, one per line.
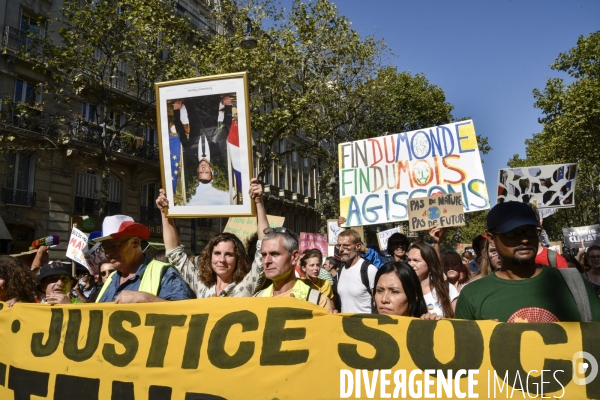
x=571, y=127
x=109, y=54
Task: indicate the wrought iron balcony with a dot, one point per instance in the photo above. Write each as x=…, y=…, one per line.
x=17, y=41
x=16, y=196
x=85, y=205
x=27, y=117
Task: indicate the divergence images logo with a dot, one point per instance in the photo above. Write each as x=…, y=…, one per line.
x=582, y=363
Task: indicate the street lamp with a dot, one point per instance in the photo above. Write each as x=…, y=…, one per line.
x=248, y=42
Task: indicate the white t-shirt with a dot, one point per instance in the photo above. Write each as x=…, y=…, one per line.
x=353, y=294
x=432, y=304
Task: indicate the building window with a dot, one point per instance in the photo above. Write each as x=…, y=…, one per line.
x=295, y=156
x=281, y=180
x=305, y=162
x=87, y=194
x=268, y=178
x=204, y=222
x=296, y=224
x=148, y=210
x=27, y=92
x=150, y=135
x=20, y=169
x=31, y=29
x=294, y=185
x=88, y=112
x=281, y=146
x=305, y=192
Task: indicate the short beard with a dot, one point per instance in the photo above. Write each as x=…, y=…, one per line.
x=523, y=261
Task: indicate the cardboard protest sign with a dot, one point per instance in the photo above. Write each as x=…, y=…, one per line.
x=379, y=175
x=556, y=246
x=252, y=348
x=244, y=227
x=313, y=241
x=382, y=238
x=546, y=186
x=77, y=246
x=444, y=211
x=581, y=236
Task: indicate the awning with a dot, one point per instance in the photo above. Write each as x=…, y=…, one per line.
x=4, y=233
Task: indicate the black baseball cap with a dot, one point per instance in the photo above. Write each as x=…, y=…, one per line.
x=504, y=217
x=55, y=268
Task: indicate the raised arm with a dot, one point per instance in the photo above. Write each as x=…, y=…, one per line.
x=256, y=193
x=437, y=234
x=170, y=236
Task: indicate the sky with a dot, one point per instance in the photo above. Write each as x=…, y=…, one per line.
x=487, y=56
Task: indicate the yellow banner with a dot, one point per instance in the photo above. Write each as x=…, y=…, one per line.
x=285, y=349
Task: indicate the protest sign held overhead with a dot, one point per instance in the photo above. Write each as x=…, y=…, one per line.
x=581, y=236
x=313, y=241
x=443, y=211
x=383, y=237
x=244, y=227
x=379, y=175
x=546, y=186
x=77, y=246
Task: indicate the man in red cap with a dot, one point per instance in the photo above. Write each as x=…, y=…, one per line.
x=137, y=278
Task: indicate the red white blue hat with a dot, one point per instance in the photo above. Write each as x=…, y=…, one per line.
x=120, y=226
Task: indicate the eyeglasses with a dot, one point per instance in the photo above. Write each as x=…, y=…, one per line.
x=110, y=247
x=453, y=265
x=595, y=258
x=344, y=246
x=517, y=233
x=399, y=244
x=281, y=229
x=105, y=273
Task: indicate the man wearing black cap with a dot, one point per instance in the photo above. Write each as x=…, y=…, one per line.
x=522, y=291
x=56, y=282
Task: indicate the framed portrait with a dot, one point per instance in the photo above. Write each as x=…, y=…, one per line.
x=205, y=145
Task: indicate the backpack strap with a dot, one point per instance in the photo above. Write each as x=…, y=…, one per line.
x=552, y=258
x=576, y=285
x=314, y=296
x=364, y=276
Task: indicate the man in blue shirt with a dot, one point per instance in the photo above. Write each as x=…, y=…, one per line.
x=137, y=278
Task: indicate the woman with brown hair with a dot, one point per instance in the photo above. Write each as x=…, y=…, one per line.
x=16, y=285
x=311, y=266
x=440, y=296
x=221, y=270
x=489, y=261
x=457, y=272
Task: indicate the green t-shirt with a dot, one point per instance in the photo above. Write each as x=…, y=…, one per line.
x=543, y=298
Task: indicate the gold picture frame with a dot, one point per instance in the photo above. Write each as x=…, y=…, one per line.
x=205, y=145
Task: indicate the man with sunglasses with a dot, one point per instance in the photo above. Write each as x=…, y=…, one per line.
x=280, y=253
x=521, y=290
x=106, y=269
x=137, y=278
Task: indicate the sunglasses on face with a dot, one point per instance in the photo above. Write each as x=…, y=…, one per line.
x=517, y=233
x=398, y=244
x=106, y=273
x=56, y=278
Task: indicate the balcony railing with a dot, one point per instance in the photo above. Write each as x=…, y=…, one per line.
x=198, y=22
x=19, y=197
x=16, y=41
x=150, y=214
x=23, y=116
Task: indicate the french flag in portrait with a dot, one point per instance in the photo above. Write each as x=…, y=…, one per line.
x=175, y=148
x=233, y=144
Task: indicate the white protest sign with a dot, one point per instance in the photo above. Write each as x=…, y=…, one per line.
x=77, y=246
x=379, y=175
x=383, y=237
x=94, y=258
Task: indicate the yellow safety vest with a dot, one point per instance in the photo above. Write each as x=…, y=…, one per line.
x=150, y=279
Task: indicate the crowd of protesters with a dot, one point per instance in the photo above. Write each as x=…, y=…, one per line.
x=509, y=276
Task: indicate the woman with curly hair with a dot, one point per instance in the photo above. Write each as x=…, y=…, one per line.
x=440, y=296
x=221, y=270
x=16, y=284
